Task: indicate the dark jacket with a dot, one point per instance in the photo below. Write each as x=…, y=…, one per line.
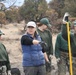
x=62, y=42
x=47, y=37
x=4, y=59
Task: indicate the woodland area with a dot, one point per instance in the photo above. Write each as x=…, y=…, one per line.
x=14, y=18
x=37, y=9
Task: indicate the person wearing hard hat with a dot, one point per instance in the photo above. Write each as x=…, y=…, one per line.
x=5, y=68
x=72, y=42
x=46, y=36
x=61, y=48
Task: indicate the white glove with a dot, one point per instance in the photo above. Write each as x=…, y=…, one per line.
x=53, y=60
x=66, y=14
x=58, y=59
x=9, y=72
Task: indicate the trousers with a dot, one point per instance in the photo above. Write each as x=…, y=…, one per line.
x=74, y=65
x=35, y=70
x=64, y=62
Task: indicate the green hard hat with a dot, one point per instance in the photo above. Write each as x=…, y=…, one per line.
x=45, y=21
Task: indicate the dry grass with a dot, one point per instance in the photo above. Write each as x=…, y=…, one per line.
x=11, y=40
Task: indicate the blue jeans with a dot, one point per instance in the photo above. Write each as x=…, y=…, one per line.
x=35, y=70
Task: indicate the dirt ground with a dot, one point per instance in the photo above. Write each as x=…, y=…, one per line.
x=11, y=40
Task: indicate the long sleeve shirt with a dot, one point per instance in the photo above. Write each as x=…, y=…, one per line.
x=47, y=37
x=27, y=41
x=62, y=42
x=4, y=59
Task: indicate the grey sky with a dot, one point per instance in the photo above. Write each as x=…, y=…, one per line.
x=18, y=2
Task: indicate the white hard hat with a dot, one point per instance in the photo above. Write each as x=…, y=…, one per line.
x=31, y=23
x=65, y=15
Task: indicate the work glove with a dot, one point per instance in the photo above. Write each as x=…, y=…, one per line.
x=58, y=59
x=43, y=45
x=53, y=60
x=48, y=66
x=9, y=72
x=65, y=18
